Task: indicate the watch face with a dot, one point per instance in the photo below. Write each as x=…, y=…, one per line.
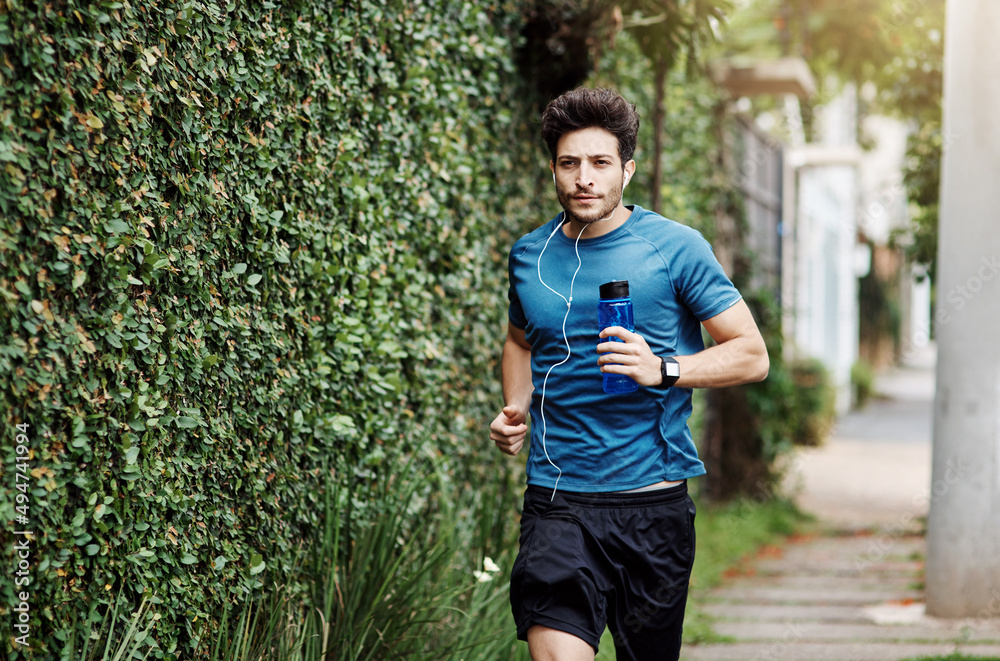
x=673, y=369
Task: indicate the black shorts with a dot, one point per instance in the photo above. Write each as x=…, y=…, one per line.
x=616, y=559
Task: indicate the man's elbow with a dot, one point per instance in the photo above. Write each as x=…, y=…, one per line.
x=761, y=362
x=762, y=367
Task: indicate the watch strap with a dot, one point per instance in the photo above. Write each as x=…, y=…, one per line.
x=668, y=379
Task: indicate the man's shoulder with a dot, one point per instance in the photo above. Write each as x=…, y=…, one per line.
x=535, y=237
x=664, y=232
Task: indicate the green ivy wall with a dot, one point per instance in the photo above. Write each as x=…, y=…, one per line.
x=246, y=250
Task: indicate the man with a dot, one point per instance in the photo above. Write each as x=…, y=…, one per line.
x=607, y=529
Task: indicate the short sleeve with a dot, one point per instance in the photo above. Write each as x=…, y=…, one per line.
x=701, y=282
x=515, y=312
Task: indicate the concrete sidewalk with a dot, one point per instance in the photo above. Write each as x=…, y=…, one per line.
x=876, y=467
x=853, y=592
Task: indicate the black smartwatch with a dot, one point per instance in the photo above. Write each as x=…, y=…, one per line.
x=670, y=370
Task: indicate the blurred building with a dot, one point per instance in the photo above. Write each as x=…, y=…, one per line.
x=820, y=216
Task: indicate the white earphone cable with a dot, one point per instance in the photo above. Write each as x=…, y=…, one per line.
x=569, y=350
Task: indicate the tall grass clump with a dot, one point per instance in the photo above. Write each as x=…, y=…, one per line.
x=426, y=577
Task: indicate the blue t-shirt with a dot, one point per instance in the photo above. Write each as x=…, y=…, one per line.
x=613, y=442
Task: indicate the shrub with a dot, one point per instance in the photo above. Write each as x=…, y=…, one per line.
x=862, y=383
x=813, y=406
x=248, y=252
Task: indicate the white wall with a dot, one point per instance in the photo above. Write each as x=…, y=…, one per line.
x=826, y=287
x=882, y=204
x=820, y=294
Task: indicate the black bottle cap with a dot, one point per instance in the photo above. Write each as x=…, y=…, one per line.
x=615, y=289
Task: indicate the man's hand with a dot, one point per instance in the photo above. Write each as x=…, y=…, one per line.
x=631, y=357
x=508, y=429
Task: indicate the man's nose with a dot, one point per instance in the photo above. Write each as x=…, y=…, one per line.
x=585, y=177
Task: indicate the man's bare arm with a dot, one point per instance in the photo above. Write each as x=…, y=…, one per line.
x=739, y=356
x=508, y=429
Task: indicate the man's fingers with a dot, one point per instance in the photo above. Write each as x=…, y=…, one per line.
x=514, y=414
x=510, y=448
x=620, y=358
x=506, y=432
x=622, y=347
x=508, y=444
x=619, y=332
x=501, y=429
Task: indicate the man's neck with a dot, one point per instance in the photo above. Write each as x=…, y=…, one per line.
x=597, y=228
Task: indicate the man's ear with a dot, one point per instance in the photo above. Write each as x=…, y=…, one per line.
x=629, y=172
x=552, y=167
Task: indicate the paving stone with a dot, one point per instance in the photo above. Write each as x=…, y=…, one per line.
x=822, y=583
x=854, y=594
x=847, y=567
x=847, y=596
x=765, y=613
x=798, y=651
x=812, y=601
x=806, y=631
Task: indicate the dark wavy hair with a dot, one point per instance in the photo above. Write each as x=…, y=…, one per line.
x=585, y=107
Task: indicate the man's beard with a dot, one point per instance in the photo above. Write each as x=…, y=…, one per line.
x=611, y=202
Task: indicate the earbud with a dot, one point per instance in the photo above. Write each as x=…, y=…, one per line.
x=628, y=177
x=553, y=177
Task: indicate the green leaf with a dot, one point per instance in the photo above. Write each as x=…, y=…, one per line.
x=248, y=137
x=257, y=564
x=116, y=226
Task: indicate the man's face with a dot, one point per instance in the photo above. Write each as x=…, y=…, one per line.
x=589, y=174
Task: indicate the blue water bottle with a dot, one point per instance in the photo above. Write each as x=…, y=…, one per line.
x=614, y=308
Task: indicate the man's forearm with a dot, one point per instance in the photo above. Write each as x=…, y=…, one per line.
x=734, y=362
x=516, y=375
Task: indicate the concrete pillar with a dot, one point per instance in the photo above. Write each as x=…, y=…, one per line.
x=963, y=554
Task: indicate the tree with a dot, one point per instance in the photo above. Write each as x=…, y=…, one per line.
x=665, y=31
x=895, y=45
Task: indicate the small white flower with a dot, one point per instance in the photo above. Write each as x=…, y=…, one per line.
x=489, y=568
